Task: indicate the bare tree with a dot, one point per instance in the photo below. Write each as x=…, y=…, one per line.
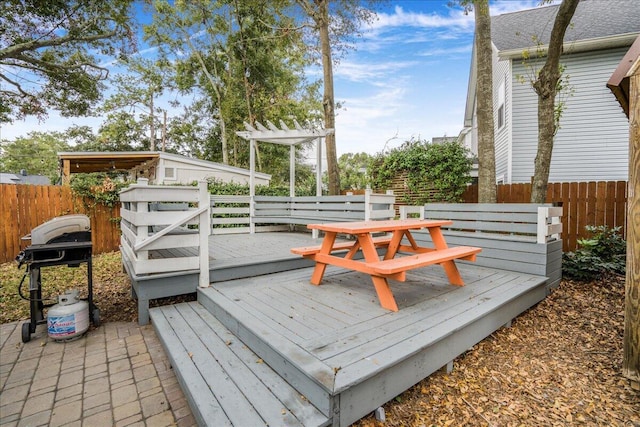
x=546, y=86
x=318, y=10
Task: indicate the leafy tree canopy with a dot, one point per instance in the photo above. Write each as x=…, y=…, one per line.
x=443, y=167
x=48, y=54
x=36, y=153
x=353, y=170
x=242, y=63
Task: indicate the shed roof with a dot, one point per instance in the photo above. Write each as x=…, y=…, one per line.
x=102, y=161
x=619, y=81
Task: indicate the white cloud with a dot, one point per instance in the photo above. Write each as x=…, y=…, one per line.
x=365, y=72
x=446, y=52
x=401, y=18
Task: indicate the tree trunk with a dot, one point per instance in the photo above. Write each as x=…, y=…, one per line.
x=164, y=130
x=152, y=126
x=546, y=86
x=546, y=132
x=631, y=361
x=216, y=89
x=328, y=103
x=484, y=106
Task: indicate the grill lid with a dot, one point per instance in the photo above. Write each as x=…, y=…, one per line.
x=58, y=226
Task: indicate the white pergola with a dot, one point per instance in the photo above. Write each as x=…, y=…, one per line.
x=284, y=136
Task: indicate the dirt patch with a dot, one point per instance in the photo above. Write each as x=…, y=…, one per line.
x=111, y=289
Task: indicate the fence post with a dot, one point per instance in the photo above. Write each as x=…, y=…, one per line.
x=142, y=232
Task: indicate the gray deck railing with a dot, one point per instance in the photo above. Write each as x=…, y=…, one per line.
x=240, y=214
x=519, y=237
x=163, y=218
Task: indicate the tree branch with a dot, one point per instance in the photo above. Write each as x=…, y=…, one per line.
x=14, y=84
x=13, y=51
x=39, y=65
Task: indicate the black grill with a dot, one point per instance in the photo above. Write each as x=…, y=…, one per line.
x=68, y=243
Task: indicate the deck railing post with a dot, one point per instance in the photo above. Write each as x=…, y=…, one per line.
x=142, y=232
x=548, y=229
x=204, y=229
x=252, y=214
x=367, y=204
x=406, y=210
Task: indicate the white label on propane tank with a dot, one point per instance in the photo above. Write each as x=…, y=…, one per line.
x=68, y=325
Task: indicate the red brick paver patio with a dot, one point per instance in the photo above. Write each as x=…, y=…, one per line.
x=115, y=375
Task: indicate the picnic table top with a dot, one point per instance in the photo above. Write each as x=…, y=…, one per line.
x=357, y=227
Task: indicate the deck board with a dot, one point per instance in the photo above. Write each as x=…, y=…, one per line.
x=198, y=392
x=333, y=343
x=368, y=340
x=238, y=388
x=445, y=302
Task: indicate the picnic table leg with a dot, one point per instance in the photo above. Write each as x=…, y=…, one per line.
x=327, y=245
x=450, y=267
x=394, y=244
x=385, y=296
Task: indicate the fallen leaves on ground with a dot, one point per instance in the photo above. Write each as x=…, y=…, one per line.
x=111, y=289
x=558, y=364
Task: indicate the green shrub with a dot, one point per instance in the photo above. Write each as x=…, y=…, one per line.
x=216, y=186
x=445, y=168
x=100, y=187
x=603, y=253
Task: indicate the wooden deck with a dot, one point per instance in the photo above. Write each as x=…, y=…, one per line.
x=272, y=349
x=231, y=257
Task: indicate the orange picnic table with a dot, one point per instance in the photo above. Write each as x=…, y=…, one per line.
x=391, y=266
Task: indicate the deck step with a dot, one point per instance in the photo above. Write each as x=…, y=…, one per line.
x=300, y=368
x=225, y=383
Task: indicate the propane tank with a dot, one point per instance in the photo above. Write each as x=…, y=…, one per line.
x=69, y=318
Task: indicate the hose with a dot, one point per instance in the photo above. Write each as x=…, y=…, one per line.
x=29, y=297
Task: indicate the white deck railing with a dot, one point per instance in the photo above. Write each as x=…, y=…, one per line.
x=241, y=214
x=162, y=218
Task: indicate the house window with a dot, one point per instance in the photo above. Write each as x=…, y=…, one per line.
x=501, y=105
x=169, y=173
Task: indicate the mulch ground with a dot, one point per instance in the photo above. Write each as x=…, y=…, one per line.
x=558, y=364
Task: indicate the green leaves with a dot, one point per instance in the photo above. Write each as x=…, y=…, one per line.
x=99, y=187
x=603, y=253
x=50, y=54
x=36, y=153
x=444, y=168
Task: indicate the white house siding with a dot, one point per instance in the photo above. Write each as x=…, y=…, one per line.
x=502, y=136
x=186, y=173
x=593, y=141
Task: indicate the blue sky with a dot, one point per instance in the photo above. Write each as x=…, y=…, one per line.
x=407, y=78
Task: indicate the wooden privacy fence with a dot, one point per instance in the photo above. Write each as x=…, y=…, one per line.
x=23, y=207
x=584, y=203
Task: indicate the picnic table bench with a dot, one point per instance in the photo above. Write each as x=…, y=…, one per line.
x=390, y=267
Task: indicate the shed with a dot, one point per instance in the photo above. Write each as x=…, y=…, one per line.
x=158, y=167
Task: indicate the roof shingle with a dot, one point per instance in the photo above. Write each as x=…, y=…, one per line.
x=593, y=19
